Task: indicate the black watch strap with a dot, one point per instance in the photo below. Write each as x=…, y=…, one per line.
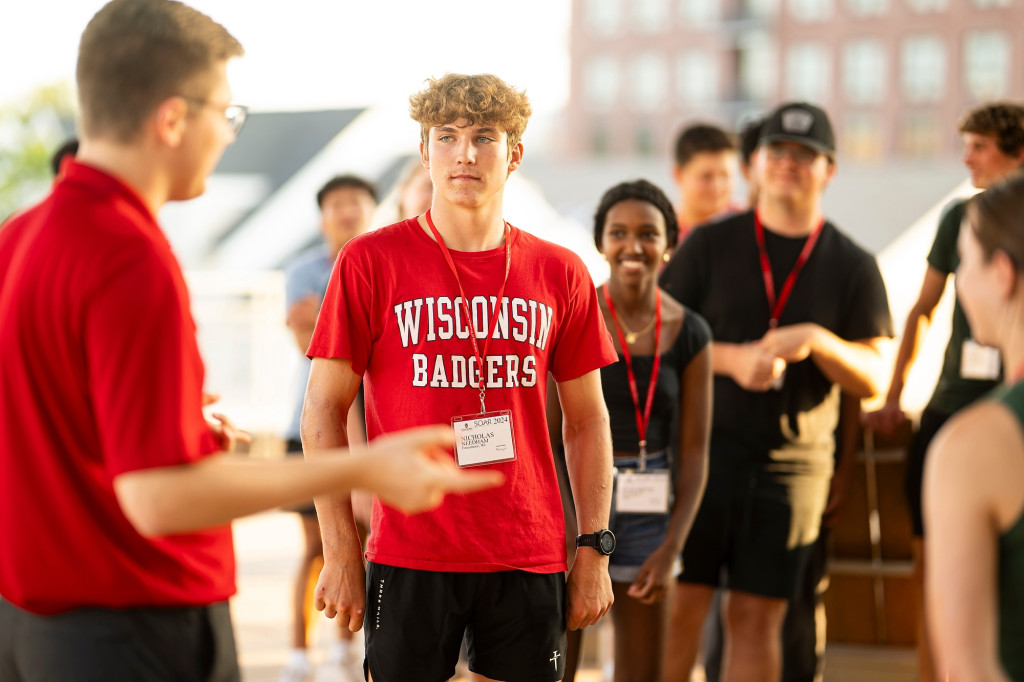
x=603, y=541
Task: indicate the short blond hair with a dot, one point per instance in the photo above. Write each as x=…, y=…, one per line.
x=480, y=99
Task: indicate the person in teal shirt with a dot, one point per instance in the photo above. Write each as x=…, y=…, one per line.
x=974, y=476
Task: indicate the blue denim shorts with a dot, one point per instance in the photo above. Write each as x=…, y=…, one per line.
x=636, y=535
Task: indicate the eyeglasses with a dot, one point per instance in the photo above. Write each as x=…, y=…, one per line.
x=234, y=114
x=801, y=155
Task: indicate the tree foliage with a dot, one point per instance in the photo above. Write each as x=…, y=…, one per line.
x=31, y=129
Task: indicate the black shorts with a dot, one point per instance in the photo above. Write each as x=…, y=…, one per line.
x=185, y=644
x=931, y=422
x=293, y=448
x=757, y=523
x=513, y=621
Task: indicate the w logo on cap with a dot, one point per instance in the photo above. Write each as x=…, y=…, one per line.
x=797, y=121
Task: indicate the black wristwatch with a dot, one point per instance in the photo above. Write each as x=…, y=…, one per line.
x=603, y=541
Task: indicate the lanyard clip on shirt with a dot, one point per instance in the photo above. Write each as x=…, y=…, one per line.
x=644, y=419
x=465, y=304
x=777, y=305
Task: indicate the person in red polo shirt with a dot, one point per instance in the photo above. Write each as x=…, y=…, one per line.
x=116, y=555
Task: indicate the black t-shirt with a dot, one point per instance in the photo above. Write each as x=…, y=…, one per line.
x=694, y=335
x=952, y=392
x=717, y=272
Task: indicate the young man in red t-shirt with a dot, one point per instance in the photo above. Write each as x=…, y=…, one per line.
x=458, y=317
x=116, y=557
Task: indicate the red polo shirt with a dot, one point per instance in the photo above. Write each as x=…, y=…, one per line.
x=100, y=376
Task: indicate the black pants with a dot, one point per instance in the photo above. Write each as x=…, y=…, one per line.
x=803, y=632
x=187, y=644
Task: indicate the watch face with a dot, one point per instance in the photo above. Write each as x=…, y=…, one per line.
x=607, y=541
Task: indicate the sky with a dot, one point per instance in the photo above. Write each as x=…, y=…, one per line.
x=319, y=54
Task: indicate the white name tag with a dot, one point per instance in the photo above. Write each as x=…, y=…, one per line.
x=484, y=438
x=978, y=361
x=642, y=492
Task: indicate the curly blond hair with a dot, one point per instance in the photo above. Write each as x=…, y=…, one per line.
x=482, y=98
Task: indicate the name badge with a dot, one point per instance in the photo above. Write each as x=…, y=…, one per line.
x=642, y=492
x=484, y=438
x=978, y=361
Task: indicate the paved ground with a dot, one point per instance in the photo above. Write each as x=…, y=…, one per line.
x=268, y=547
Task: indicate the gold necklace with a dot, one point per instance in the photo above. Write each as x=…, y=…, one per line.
x=632, y=336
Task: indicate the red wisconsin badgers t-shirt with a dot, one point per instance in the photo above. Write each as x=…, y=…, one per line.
x=101, y=376
x=393, y=308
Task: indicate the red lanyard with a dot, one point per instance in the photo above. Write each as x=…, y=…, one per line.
x=465, y=305
x=778, y=305
x=642, y=421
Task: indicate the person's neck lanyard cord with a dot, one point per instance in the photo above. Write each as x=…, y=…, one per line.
x=777, y=305
x=482, y=383
x=642, y=420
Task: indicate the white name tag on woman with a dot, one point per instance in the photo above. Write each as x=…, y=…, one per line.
x=978, y=361
x=642, y=492
x=484, y=438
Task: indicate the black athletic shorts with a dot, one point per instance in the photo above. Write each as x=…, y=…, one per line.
x=931, y=422
x=757, y=523
x=184, y=644
x=513, y=621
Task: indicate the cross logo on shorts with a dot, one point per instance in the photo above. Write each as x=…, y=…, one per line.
x=554, y=659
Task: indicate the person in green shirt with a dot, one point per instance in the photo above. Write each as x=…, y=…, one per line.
x=974, y=479
x=993, y=138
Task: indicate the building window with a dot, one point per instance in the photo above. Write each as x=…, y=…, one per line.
x=987, y=64
x=649, y=79
x=762, y=9
x=696, y=77
x=868, y=8
x=808, y=72
x=991, y=4
x=862, y=138
x=650, y=16
x=811, y=11
x=924, y=68
x=601, y=83
x=927, y=6
x=758, y=67
x=603, y=16
x=698, y=12
x=644, y=142
x=864, y=71
x=919, y=136
x=599, y=142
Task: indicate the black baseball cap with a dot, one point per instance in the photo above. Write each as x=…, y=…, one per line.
x=802, y=123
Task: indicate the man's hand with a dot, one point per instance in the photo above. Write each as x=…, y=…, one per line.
x=755, y=368
x=792, y=343
x=413, y=471
x=226, y=432
x=303, y=313
x=341, y=591
x=655, y=576
x=886, y=420
x=589, y=589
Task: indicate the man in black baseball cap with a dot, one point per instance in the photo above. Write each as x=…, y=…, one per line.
x=801, y=123
x=798, y=313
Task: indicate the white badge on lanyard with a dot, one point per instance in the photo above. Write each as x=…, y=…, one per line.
x=484, y=438
x=642, y=492
x=978, y=361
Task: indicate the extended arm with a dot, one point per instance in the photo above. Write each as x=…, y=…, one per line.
x=588, y=455
x=855, y=365
x=890, y=415
x=341, y=591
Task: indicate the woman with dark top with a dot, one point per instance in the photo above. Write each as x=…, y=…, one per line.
x=659, y=428
x=974, y=475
